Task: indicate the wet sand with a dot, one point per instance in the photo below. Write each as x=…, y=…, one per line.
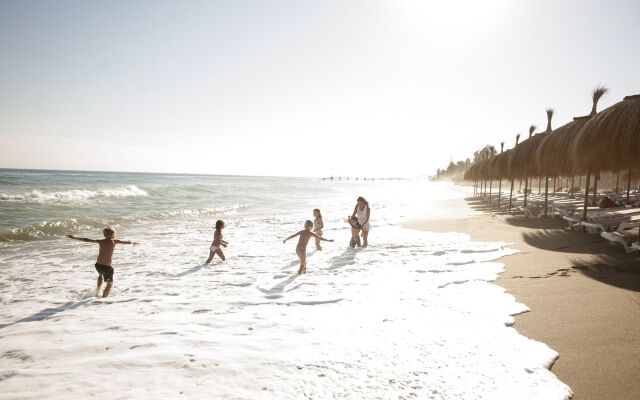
x=584, y=296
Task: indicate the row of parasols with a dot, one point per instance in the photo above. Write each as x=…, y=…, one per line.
x=606, y=141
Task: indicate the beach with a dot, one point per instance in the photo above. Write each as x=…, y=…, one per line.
x=414, y=315
x=584, y=297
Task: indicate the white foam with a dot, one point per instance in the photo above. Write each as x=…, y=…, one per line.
x=72, y=196
x=415, y=315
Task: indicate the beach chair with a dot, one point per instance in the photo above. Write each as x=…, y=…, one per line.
x=565, y=206
x=575, y=218
x=625, y=235
x=625, y=239
x=607, y=220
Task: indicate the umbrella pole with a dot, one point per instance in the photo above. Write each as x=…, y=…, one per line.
x=490, y=187
x=526, y=190
x=628, y=185
x=510, y=194
x=555, y=184
x=586, y=197
x=546, y=193
x=539, y=186
x=499, y=191
x=595, y=189
x=572, y=179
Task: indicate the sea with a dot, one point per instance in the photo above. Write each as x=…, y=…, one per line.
x=416, y=315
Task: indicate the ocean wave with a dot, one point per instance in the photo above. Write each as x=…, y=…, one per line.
x=49, y=229
x=53, y=229
x=71, y=196
x=190, y=213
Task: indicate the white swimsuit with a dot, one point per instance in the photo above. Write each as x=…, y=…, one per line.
x=362, y=216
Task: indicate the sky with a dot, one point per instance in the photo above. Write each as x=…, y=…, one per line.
x=298, y=88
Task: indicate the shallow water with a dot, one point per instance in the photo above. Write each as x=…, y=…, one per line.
x=412, y=316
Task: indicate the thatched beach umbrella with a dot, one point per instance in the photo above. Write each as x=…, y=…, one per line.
x=553, y=150
x=522, y=162
x=507, y=159
x=543, y=136
x=471, y=174
x=491, y=172
x=610, y=140
x=496, y=167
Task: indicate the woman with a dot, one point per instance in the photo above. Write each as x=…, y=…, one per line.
x=363, y=212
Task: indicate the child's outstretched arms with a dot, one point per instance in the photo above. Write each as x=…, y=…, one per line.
x=321, y=238
x=126, y=242
x=291, y=237
x=82, y=239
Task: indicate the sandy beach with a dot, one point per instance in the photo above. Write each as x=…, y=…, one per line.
x=584, y=297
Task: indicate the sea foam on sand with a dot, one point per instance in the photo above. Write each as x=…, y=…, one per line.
x=413, y=316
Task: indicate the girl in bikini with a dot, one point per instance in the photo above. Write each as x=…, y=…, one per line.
x=217, y=242
x=317, y=226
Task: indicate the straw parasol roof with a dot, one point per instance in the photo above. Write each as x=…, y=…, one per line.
x=523, y=161
x=554, y=149
x=500, y=164
x=610, y=140
x=472, y=173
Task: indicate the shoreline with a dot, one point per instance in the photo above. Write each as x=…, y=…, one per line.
x=584, y=296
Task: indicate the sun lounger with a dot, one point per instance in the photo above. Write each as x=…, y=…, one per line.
x=565, y=207
x=576, y=218
x=607, y=220
x=623, y=238
x=535, y=206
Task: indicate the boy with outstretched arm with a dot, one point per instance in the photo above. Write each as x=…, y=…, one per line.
x=105, y=252
x=301, y=248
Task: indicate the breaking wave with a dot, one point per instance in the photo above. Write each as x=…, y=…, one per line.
x=72, y=196
x=53, y=229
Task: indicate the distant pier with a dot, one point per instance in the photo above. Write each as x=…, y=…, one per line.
x=357, y=178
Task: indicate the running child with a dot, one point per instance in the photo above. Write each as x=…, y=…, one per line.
x=105, y=252
x=317, y=226
x=217, y=242
x=301, y=248
x=355, y=231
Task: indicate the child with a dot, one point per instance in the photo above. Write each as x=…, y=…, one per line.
x=105, y=252
x=317, y=226
x=301, y=248
x=355, y=231
x=217, y=242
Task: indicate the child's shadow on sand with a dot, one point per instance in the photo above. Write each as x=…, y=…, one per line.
x=344, y=259
x=50, y=312
x=194, y=269
x=276, y=291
